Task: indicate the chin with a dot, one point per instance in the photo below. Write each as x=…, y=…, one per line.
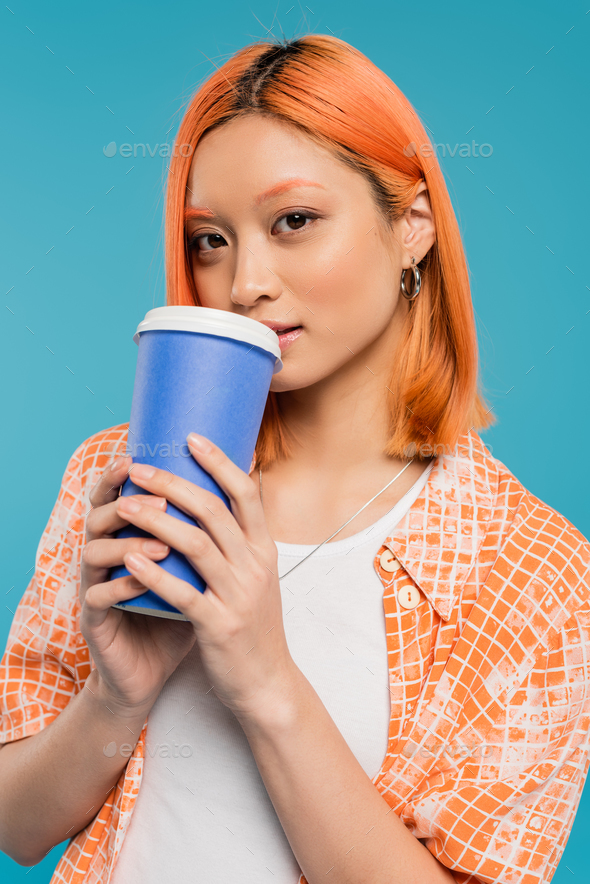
x=286, y=380
x=291, y=379
x=278, y=387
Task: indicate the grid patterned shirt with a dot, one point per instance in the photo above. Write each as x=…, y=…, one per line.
x=489, y=674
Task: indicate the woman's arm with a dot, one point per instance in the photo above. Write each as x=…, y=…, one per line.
x=333, y=816
x=53, y=783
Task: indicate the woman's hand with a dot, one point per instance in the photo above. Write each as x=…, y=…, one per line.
x=134, y=653
x=238, y=619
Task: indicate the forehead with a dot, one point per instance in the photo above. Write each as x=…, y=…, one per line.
x=254, y=152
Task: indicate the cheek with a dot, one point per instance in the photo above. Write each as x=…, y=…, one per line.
x=211, y=287
x=349, y=281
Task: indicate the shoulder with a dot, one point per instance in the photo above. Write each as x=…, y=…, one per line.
x=540, y=528
x=539, y=550
x=45, y=647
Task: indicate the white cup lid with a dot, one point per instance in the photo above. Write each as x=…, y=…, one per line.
x=212, y=322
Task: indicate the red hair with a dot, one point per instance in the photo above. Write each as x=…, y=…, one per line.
x=370, y=125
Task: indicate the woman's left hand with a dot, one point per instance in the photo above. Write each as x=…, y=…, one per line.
x=238, y=619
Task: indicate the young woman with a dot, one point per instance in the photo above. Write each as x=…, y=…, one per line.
x=386, y=679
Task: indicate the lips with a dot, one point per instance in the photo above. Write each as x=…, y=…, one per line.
x=277, y=326
x=285, y=333
x=288, y=336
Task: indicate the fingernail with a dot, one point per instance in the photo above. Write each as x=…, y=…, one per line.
x=199, y=443
x=135, y=585
x=119, y=463
x=135, y=561
x=143, y=471
x=155, y=546
x=128, y=506
x=151, y=500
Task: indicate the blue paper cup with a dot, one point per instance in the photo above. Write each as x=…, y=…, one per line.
x=198, y=370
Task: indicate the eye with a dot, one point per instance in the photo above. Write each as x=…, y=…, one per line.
x=299, y=219
x=193, y=242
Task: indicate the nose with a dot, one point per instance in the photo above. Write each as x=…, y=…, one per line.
x=253, y=279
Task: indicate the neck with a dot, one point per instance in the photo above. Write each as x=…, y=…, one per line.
x=340, y=424
x=338, y=431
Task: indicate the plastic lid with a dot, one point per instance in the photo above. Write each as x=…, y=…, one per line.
x=212, y=322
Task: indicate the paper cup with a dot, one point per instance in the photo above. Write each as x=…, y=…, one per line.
x=198, y=370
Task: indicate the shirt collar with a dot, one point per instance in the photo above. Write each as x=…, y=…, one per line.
x=439, y=538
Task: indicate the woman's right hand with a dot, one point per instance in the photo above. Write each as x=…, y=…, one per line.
x=134, y=653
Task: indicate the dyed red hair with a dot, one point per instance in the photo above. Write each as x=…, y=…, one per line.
x=434, y=395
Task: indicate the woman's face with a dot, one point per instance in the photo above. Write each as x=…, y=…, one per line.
x=293, y=237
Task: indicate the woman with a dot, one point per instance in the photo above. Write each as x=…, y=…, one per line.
x=429, y=654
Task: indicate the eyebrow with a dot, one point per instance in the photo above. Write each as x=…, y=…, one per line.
x=204, y=212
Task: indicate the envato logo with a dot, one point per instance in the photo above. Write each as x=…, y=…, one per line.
x=141, y=149
x=173, y=449
x=425, y=449
x=163, y=750
x=465, y=150
x=167, y=449
x=141, y=449
x=451, y=750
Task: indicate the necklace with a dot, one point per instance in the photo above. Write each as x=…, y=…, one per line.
x=346, y=523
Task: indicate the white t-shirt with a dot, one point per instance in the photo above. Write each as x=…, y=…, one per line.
x=203, y=814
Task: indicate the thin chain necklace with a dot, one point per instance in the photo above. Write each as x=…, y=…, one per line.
x=346, y=523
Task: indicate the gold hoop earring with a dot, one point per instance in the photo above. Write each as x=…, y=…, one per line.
x=417, y=282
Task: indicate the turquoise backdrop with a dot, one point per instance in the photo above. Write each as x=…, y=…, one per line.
x=82, y=230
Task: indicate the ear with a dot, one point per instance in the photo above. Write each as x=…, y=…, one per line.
x=417, y=231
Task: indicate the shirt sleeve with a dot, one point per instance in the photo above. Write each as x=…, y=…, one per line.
x=500, y=811
x=46, y=660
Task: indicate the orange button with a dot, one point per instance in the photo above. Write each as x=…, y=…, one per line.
x=408, y=597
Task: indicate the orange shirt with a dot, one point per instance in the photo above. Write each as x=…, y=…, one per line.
x=489, y=671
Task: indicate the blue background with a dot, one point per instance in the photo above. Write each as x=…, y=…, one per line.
x=82, y=232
